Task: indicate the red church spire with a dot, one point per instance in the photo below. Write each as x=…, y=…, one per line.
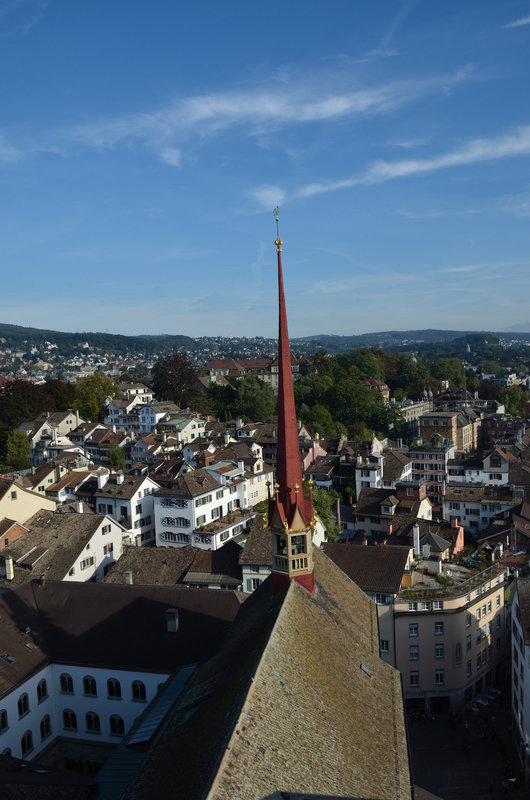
x=290, y=517
x=288, y=464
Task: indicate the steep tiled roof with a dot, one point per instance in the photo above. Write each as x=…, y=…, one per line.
x=258, y=547
x=102, y=625
x=53, y=543
x=278, y=706
x=194, y=483
x=122, y=491
x=152, y=565
x=394, y=464
x=373, y=569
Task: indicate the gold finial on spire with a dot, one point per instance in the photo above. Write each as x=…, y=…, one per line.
x=296, y=488
x=278, y=241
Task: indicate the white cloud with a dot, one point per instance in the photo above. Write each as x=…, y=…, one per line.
x=165, y=129
x=267, y=196
x=171, y=156
x=8, y=154
x=476, y=151
x=518, y=23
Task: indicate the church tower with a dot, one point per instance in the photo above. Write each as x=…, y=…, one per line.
x=290, y=518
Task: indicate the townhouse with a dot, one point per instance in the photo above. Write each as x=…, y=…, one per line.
x=128, y=499
x=202, y=508
x=449, y=639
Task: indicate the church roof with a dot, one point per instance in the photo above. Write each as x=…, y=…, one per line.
x=296, y=700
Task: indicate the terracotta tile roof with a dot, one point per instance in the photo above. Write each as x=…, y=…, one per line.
x=373, y=569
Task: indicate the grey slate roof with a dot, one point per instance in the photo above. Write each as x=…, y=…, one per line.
x=53, y=544
x=258, y=547
x=102, y=625
x=285, y=705
x=373, y=569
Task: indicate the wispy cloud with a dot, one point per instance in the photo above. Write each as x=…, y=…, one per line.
x=185, y=121
x=469, y=268
x=267, y=196
x=20, y=16
x=476, y=151
x=408, y=144
x=518, y=23
x=383, y=48
x=8, y=153
x=464, y=212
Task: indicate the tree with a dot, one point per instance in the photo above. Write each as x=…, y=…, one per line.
x=324, y=503
x=115, y=457
x=514, y=399
x=18, y=449
x=92, y=395
x=62, y=392
x=449, y=369
x=254, y=400
x=174, y=378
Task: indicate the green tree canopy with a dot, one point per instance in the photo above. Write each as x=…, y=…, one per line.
x=18, y=449
x=92, y=394
x=115, y=457
x=514, y=399
x=173, y=378
x=254, y=400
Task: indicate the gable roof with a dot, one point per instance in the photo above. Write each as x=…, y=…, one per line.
x=51, y=546
x=275, y=706
x=373, y=569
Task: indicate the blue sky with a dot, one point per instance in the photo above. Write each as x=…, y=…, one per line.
x=143, y=147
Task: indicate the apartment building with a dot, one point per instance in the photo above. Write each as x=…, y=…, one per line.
x=450, y=639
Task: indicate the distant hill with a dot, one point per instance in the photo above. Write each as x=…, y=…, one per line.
x=17, y=336
x=425, y=341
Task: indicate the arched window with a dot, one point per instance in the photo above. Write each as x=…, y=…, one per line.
x=93, y=724
x=117, y=728
x=89, y=686
x=69, y=719
x=23, y=705
x=3, y=720
x=138, y=691
x=45, y=727
x=67, y=684
x=26, y=743
x=113, y=688
x=42, y=690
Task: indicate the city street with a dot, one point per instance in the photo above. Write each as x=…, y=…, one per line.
x=453, y=763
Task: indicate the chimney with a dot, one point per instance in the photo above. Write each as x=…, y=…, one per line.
x=129, y=578
x=454, y=522
x=241, y=466
x=10, y=572
x=172, y=620
x=79, y=507
x=102, y=479
x=416, y=538
x=119, y=478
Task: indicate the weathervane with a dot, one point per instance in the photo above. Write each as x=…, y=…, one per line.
x=278, y=241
